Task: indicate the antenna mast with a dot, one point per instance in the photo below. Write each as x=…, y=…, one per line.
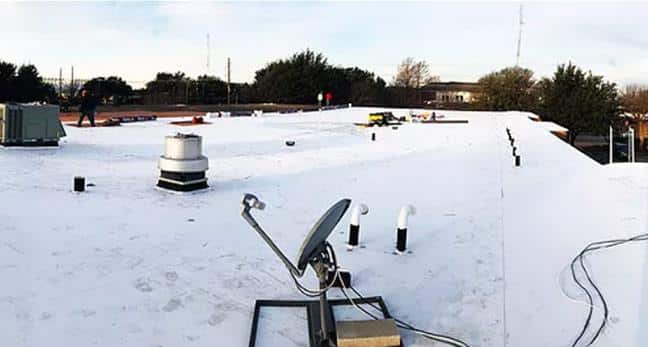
x=519, y=43
x=229, y=69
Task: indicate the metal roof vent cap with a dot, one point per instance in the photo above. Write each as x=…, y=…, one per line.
x=183, y=166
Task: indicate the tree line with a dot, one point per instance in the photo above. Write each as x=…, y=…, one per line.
x=294, y=80
x=23, y=84
x=576, y=99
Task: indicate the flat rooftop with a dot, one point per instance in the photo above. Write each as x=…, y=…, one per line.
x=126, y=264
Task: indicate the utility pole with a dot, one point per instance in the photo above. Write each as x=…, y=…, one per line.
x=72, y=82
x=519, y=43
x=611, y=145
x=60, y=82
x=208, y=55
x=186, y=92
x=631, y=145
x=228, y=80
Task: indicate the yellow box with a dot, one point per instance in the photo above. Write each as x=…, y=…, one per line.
x=367, y=333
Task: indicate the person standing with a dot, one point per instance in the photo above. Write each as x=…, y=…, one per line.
x=88, y=108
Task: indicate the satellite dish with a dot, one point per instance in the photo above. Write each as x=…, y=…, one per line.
x=316, y=238
x=314, y=251
x=315, y=241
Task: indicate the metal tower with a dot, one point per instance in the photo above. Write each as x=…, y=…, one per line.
x=519, y=43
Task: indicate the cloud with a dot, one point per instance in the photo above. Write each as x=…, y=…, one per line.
x=194, y=11
x=459, y=41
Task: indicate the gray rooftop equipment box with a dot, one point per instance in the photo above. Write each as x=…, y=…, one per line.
x=30, y=125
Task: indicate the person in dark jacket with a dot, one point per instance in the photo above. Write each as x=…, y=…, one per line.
x=88, y=108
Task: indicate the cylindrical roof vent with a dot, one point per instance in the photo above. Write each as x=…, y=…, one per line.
x=183, y=166
x=181, y=146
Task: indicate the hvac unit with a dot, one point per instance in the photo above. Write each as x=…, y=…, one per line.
x=30, y=125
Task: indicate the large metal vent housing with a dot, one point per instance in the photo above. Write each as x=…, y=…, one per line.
x=183, y=166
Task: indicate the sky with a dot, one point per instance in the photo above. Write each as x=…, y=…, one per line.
x=460, y=41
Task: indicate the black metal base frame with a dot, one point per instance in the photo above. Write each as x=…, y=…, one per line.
x=183, y=176
x=182, y=187
x=312, y=310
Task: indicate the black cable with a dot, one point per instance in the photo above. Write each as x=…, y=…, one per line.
x=590, y=248
x=407, y=326
x=594, y=246
x=401, y=324
x=316, y=293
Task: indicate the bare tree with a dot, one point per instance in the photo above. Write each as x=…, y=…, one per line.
x=635, y=102
x=413, y=74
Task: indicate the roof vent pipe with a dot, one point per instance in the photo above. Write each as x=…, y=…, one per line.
x=354, y=227
x=183, y=166
x=401, y=232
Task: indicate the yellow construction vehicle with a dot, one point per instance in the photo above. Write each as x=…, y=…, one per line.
x=382, y=119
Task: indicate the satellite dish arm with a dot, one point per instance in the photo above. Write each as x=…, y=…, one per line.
x=249, y=202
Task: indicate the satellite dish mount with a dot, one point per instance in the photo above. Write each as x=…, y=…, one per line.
x=316, y=252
